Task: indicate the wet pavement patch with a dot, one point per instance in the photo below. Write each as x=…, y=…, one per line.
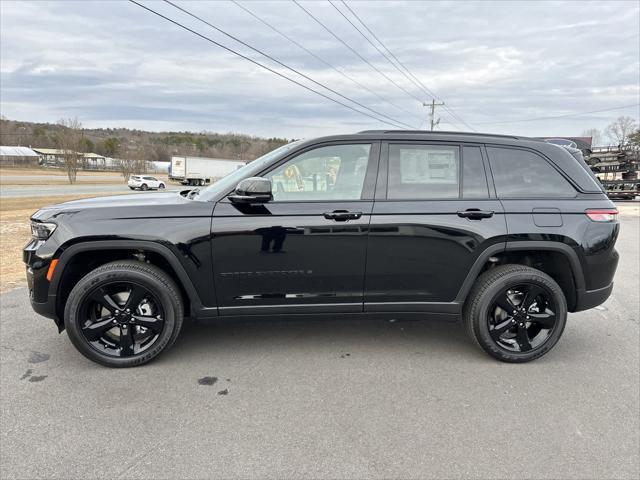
x=207, y=380
x=26, y=374
x=37, y=378
x=224, y=392
x=37, y=357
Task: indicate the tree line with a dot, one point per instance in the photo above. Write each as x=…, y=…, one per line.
x=137, y=144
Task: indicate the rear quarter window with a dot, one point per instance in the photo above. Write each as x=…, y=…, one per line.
x=524, y=174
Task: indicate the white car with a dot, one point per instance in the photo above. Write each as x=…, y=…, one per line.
x=144, y=182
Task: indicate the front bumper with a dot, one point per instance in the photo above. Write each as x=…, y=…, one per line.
x=587, y=299
x=40, y=295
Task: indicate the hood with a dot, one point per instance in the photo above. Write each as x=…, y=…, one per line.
x=119, y=201
x=123, y=206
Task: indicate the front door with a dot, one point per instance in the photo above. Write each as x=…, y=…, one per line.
x=305, y=251
x=434, y=215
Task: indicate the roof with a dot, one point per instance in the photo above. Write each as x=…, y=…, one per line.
x=7, y=151
x=49, y=151
x=56, y=151
x=436, y=133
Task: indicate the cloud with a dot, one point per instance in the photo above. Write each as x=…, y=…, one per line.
x=115, y=64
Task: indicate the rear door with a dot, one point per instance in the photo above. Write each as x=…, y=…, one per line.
x=434, y=214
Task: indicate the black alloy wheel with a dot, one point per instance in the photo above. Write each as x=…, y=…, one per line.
x=121, y=319
x=515, y=313
x=522, y=318
x=124, y=313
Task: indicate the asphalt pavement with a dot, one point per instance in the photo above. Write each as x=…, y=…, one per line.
x=13, y=191
x=328, y=399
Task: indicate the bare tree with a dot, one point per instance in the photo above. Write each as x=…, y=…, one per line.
x=596, y=136
x=70, y=140
x=620, y=129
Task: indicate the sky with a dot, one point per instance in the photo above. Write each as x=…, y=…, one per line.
x=496, y=65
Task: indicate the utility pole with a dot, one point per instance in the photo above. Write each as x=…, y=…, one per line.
x=432, y=114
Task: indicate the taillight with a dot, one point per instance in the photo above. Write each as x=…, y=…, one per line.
x=602, y=214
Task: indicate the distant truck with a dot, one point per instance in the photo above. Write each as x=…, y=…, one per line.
x=198, y=171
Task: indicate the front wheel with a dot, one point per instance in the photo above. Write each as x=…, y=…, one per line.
x=515, y=313
x=124, y=314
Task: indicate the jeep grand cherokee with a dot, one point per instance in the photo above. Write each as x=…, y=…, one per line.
x=506, y=233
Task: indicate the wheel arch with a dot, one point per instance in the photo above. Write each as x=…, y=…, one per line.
x=553, y=258
x=90, y=255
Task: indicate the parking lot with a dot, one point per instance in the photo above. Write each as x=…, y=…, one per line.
x=328, y=399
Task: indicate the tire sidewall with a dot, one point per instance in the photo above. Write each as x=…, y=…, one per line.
x=481, y=327
x=99, y=278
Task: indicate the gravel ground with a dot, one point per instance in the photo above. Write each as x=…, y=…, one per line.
x=328, y=399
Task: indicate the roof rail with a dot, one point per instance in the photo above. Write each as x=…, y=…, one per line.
x=439, y=132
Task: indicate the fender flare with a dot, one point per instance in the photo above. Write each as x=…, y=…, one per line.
x=70, y=252
x=568, y=252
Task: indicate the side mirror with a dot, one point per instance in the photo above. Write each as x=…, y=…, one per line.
x=252, y=190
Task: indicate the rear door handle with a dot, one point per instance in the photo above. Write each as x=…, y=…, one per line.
x=475, y=213
x=342, y=215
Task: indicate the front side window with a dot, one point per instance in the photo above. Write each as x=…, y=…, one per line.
x=423, y=172
x=335, y=172
x=523, y=174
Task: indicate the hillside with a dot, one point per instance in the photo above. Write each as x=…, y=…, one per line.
x=138, y=144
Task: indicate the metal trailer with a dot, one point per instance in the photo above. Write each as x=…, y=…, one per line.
x=617, y=169
x=198, y=171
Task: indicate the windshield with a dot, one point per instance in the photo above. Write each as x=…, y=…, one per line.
x=230, y=181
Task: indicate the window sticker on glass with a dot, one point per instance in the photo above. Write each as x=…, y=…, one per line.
x=423, y=171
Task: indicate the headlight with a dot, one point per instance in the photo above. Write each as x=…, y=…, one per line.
x=42, y=231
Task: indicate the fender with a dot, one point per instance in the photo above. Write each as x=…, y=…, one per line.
x=198, y=310
x=564, y=249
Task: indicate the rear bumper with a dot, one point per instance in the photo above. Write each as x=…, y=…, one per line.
x=587, y=299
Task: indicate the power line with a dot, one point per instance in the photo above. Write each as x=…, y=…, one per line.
x=373, y=44
x=193, y=15
x=320, y=59
x=574, y=114
x=356, y=53
x=255, y=62
x=424, y=87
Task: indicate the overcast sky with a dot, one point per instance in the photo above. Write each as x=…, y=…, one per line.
x=113, y=64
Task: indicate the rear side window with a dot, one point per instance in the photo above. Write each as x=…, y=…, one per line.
x=474, y=179
x=523, y=174
x=423, y=172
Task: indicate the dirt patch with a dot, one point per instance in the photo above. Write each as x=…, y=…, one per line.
x=15, y=232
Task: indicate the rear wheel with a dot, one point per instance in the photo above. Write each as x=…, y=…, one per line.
x=161, y=186
x=124, y=314
x=515, y=313
x=144, y=186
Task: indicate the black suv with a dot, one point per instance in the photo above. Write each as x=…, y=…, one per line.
x=507, y=233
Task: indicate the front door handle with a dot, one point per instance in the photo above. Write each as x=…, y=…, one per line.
x=342, y=215
x=475, y=213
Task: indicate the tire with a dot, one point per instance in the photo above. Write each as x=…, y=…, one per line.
x=161, y=186
x=482, y=314
x=132, y=188
x=162, y=293
x=144, y=187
